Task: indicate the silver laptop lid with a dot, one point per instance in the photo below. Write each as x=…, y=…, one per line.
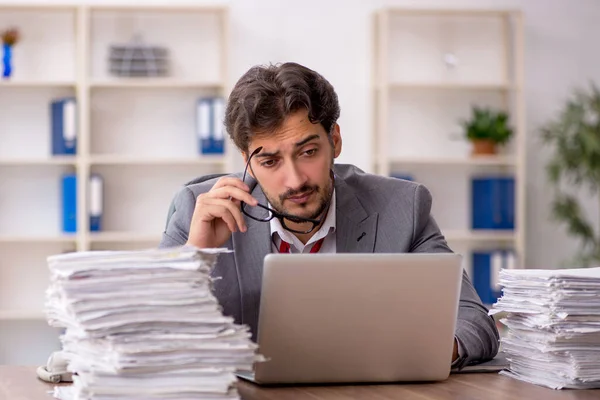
x=357, y=317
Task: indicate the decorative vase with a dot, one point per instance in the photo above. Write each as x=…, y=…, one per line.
x=483, y=147
x=7, y=60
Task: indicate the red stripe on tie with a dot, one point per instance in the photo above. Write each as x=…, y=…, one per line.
x=284, y=247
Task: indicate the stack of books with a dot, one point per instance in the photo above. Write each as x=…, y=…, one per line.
x=553, y=321
x=145, y=325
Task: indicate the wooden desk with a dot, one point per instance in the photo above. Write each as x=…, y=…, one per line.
x=21, y=383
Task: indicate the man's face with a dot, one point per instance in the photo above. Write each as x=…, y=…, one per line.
x=293, y=168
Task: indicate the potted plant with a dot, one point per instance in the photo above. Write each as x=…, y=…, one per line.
x=574, y=166
x=486, y=129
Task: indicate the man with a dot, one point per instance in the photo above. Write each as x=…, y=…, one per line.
x=293, y=198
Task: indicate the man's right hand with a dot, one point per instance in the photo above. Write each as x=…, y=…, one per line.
x=217, y=213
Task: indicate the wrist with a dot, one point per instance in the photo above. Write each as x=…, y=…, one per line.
x=455, y=351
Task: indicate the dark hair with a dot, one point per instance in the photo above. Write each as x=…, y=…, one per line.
x=265, y=95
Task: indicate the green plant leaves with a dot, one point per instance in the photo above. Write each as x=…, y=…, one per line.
x=487, y=124
x=574, y=137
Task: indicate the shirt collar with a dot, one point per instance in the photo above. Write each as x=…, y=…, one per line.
x=328, y=226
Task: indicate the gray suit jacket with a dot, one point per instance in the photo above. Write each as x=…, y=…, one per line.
x=394, y=214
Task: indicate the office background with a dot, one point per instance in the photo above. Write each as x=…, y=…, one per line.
x=336, y=39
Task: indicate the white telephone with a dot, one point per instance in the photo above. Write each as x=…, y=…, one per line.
x=55, y=370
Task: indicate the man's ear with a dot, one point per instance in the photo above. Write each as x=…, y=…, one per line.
x=336, y=138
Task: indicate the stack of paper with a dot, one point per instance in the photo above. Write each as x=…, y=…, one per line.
x=553, y=320
x=145, y=325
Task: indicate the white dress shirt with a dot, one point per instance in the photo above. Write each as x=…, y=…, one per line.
x=327, y=231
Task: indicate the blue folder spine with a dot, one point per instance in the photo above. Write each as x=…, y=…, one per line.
x=218, y=127
x=210, y=112
x=63, y=113
x=69, y=202
x=96, y=202
x=486, y=272
x=493, y=203
x=405, y=177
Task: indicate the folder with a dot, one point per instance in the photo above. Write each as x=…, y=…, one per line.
x=203, y=124
x=486, y=272
x=96, y=202
x=63, y=113
x=405, y=177
x=493, y=203
x=210, y=112
x=69, y=203
x=218, y=125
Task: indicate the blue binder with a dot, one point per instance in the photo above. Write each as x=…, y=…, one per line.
x=69, y=203
x=405, y=177
x=63, y=114
x=96, y=202
x=210, y=112
x=486, y=270
x=493, y=203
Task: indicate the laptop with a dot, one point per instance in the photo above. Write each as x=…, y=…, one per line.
x=341, y=318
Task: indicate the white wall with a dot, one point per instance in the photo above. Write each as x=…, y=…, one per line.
x=333, y=37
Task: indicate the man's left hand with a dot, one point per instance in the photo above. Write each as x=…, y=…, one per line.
x=455, y=351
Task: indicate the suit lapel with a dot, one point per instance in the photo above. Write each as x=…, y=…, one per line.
x=250, y=249
x=355, y=228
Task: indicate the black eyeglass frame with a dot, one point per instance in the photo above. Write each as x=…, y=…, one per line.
x=275, y=214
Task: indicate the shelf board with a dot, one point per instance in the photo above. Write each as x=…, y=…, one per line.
x=22, y=315
x=157, y=8
x=38, y=161
x=44, y=239
x=218, y=160
x=497, y=160
x=38, y=7
x=154, y=83
x=442, y=12
x=37, y=84
x=479, y=235
x=124, y=237
x=452, y=85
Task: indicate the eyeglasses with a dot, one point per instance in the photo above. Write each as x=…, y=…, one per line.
x=263, y=213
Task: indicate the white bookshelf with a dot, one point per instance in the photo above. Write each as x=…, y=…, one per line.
x=156, y=83
x=214, y=161
x=138, y=133
x=419, y=100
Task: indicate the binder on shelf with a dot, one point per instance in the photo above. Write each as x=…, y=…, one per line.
x=493, y=203
x=63, y=115
x=96, y=202
x=218, y=127
x=69, y=203
x=486, y=272
x=405, y=177
x=210, y=112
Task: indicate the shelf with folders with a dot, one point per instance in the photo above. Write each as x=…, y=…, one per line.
x=140, y=134
x=177, y=126
x=430, y=70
